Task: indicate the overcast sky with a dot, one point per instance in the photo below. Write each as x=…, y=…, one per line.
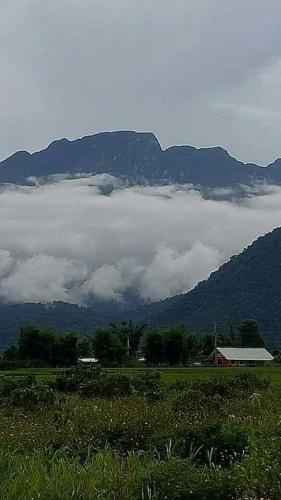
x=201, y=72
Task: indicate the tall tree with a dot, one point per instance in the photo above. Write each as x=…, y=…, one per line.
x=12, y=353
x=66, y=349
x=108, y=347
x=193, y=346
x=85, y=346
x=154, y=347
x=250, y=333
x=207, y=344
x=35, y=343
x=175, y=345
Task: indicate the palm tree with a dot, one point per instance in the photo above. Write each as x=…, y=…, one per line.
x=128, y=331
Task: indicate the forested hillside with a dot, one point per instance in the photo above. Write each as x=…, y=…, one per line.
x=248, y=286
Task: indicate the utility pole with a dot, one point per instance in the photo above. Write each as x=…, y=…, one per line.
x=215, y=333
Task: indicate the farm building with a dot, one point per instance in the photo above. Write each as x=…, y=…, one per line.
x=87, y=361
x=240, y=356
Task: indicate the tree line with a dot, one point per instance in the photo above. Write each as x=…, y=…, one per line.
x=126, y=343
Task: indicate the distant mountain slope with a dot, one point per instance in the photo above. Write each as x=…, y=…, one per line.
x=136, y=158
x=59, y=317
x=248, y=286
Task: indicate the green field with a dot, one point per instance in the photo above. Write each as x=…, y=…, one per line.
x=112, y=437
x=170, y=375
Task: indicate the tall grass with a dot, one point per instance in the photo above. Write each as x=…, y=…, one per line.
x=219, y=441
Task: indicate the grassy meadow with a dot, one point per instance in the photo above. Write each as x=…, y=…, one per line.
x=169, y=375
x=187, y=433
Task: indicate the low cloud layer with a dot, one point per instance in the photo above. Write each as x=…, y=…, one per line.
x=67, y=240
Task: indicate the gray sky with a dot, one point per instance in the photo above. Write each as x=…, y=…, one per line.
x=203, y=72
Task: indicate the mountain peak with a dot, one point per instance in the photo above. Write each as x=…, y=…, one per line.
x=137, y=158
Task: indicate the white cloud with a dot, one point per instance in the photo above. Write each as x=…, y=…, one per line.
x=67, y=241
x=42, y=278
x=170, y=271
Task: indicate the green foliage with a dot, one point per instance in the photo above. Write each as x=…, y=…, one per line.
x=249, y=382
x=192, y=444
x=173, y=346
x=191, y=400
x=32, y=397
x=108, y=347
x=149, y=384
x=93, y=382
x=250, y=333
x=213, y=444
x=178, y=480
x=107, y=386
x=240, y=385
x=11, y=354
x=130, y=334
x=9, y=384
x=84, y=346
x=97, y=382
x=65, y=350
x=70, y=380
x=154, y=348
x=37, y=344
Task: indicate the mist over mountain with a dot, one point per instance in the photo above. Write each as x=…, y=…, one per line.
x=248, y=286
x=137, y=158
x=101, y=228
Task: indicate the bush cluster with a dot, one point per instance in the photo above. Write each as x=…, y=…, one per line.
x=32, y=397
x=98, y=382
x=26, y=392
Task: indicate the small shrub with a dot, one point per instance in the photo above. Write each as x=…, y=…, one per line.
x=180, y=385
x=192, y=400
x=249, y=382
x=9, y=384
x=148, y=381
x=216, y=387
x=213, y=444
x=178, y=480
x=109, y=385
x=32, y=397
x=238, y=386
x=71, y=379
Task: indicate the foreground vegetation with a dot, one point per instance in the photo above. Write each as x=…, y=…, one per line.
x=92, y=434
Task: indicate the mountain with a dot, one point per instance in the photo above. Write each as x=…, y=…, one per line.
x=247, y=286
x=137, y=158
x=59, y=317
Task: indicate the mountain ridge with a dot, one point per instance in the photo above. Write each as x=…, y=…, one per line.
x=138, y=158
